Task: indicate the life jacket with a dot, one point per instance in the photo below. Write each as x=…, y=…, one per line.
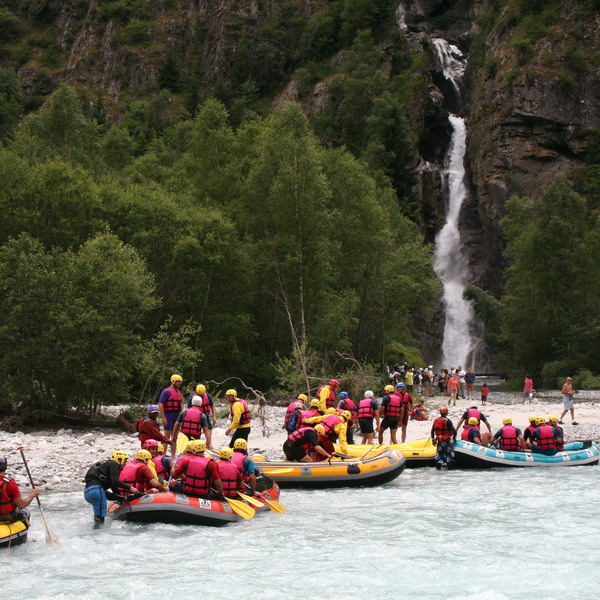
x=245, y=416
x=241, y=460
x=299, y=437
x=205, y=407
x=545, y=440
x=465, y=432
x=173, y=402
x=329, y=422
x=474, y=412
x=441, y=429
x=528, y=433
x=6, y=503
x=196, y=480
x=394, y=408
x=288, y=413
x=365, y=410
x=228, y=474
x=308, y=414
x=508, y=440
x=405, y=399
x=160, y=469
x=131, y=474
x=350, y=406
x=328, y=401
x=192, y=422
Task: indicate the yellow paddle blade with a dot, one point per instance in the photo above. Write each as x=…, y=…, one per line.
x=274, y=505
x=268, y=472
x=152, y=467
x=245, y=511
x=251, y=500
x=182, y=442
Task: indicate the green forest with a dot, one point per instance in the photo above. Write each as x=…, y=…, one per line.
x=209, y=235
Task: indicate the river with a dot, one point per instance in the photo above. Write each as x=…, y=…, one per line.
x=490, y=535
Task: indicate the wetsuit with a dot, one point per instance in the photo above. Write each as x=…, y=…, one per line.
x=98, y=479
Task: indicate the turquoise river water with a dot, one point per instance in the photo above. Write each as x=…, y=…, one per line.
x=459, y=535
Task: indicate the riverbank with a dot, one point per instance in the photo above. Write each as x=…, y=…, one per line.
x=59, y=459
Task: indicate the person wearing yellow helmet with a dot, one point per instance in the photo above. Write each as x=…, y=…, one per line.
x=245, y=464
x=229, y=474
x=473, y=411
x=390, y=413
x=138, y=475
x=169, y=404
x=528, y=431
x=559, y=435
x=102, y=476
x=543, y=440
x=335, y=427
x=198, y=473
x=509, y=437
x=303, y=444
x=472, y=433
x=240, y=417
x=313, y=411
x=207, y=405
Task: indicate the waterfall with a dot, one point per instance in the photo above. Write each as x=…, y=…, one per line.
x=401, y=16
x=450, y=263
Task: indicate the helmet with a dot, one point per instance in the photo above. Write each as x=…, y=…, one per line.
x=388, y=388
x=540, y=420
x=153, y=408
x=231, y=392
x=298, y=404
x=331, y=411
x=196, y=446
x=334, y=383
x=369, y=394
x=320, y=429
x=315, y=402
x=150, y=444
x=176, y=377
x=347, y=415
x=473, y=421
x=226, y=453
x=443, y=410
x=303, y=397
x=2, y=464
x=532, y=418
x=120, y=457
x=553, y=419
x=200, y=389
x=507, y=421
x=240, y=444
x=143, y=455
x=161, y=448
x=196, y=401
x=400, y=385
x=343, y=395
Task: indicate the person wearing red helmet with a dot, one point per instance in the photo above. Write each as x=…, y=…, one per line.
x=443, y=434
x=326, y=394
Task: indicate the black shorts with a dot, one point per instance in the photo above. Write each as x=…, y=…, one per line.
x=366, y=425
x=390, y=422
x=292, y=451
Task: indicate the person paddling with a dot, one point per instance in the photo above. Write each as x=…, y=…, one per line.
x=12, y=505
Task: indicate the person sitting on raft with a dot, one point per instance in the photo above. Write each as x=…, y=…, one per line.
x=160, y=465
x=471, y=433
x=12, y=504
x=245, y=464
x=335, y=427
x=474, y=412
x=199, y=473
x=367, y=411
x=559, y=435
x=137, y=474
x=528, y=433
x=149, y=428
x=295, y=416
x=192, y=422
x=509, y=438
x=100, y=477
x=544, y=438
x=229, y=474
x=294, y=407
x=302, y=444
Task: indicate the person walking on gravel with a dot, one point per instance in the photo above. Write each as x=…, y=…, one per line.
x=567, y=394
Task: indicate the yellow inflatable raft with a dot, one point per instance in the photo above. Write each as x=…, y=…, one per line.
x=420, y=453
x=14, y=533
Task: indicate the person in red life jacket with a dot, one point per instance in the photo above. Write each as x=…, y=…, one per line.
x=474, y=412
x=335, y=427
x=294, y=418
x=301, y=445
x=169, y=404
x=294, y=405
x=313, y=411
x=559, y=435
x=240, y=417
x=149, y=428
x=137, y=474
x=346, y=403
x=199, y=473
x=326, y=394
x=368, y=410
x=207, y=406
x=509, y=438
x=390, y=413
x=443, y=435
x=528, y=432
x=471, y=433
x=245, y=464
x=160, y=464
x=543, y=440
x=192, y=422
x=12, y=504
x=485, y=392
x=406, y=402
x=419, y=412
x=100, y=477
x=229, y=474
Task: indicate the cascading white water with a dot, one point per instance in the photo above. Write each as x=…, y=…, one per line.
x=401, y=16
x=450, y=264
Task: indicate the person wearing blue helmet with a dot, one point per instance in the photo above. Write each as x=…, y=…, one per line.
x=348, y=404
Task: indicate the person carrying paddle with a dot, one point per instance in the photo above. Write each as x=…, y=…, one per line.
x=240, y=417
x=193, y=422
x=12, y=504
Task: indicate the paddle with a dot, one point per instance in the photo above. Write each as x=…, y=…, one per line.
x=370, y=450
x=245, y=511
x=50, y=537
x=251, y=500
x=272, y=504
x=270, y=472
